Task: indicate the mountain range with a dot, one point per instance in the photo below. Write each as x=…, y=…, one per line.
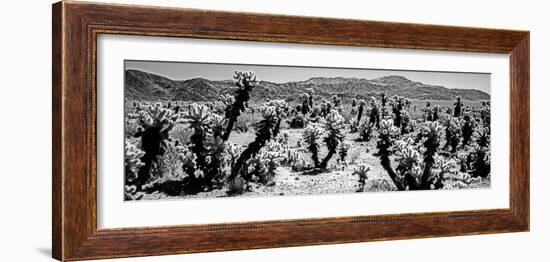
x=144, y=86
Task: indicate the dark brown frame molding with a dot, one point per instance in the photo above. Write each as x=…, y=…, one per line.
x=76, y=26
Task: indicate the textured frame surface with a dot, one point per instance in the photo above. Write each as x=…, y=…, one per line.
x=75, y=28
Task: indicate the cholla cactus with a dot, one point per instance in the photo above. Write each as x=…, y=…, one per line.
x=334, y=126
x=468, y=125
x=207, y=146
x=231, y=154
x=265, y=130
x=410, y=173
x=406, y=126
x=271, y=160
x=362, y=104
x=397, y=104
x=292, y=157
x=343, y=152
x=307, y=103
x=483, y=137
x=155, y=124
x=362, y=171
x=485, y=114
x=335, y=101
x=281, y=112
x=455, y=180
x=458, y=107
x=199, y=117
x=365, y=131
x=432, y=137
x=439, y=172
x=482, y=163
x=453, y=132
x=385, y=141
x=245, y=81
x=374, y=116
x=407, y=157
x=132, y=161
x=383, y=99
x=311, y=136
x=131, y=193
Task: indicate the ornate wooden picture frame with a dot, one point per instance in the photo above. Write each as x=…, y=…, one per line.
x=76, y=26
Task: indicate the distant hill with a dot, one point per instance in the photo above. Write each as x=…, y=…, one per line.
x=143, y=86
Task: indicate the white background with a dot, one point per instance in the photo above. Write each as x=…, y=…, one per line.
x=25, y=143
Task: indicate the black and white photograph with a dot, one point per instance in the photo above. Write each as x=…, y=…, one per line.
x=206, y=130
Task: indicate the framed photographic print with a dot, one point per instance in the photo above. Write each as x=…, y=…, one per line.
x=182, y=130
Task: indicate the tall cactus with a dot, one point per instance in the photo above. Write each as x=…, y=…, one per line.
x=334, y=126
x=245, y=81
x=453, y=132
x=386, y=137
x=432, y=135
x=468, y=126
x=458, y=107
x=362, y=105
x=482, y=163
x=374, y=116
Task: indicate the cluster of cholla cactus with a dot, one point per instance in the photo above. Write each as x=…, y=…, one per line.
x=332, y=129
x=155, y=123
x=261, y=168
x=412, y=172
x=431, y=113
x=206, y=145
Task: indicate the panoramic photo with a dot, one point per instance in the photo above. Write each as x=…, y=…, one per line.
x=207, y=130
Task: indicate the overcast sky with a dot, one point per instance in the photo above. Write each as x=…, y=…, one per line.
x=282, y=74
